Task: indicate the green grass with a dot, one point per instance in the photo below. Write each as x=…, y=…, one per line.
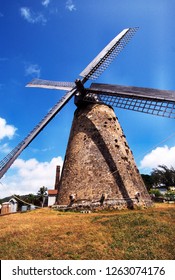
x=48, y=234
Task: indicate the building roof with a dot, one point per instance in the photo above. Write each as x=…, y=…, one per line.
x=52, y=192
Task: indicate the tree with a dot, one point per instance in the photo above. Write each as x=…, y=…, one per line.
x=148, y=181
x=31, y=198
x=42, y=193
x=163, y=176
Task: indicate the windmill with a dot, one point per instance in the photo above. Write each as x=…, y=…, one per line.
x=99, y=168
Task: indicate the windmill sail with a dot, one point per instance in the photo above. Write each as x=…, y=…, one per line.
x=108, y=54
x=146, y=100
x=132, y=98
x=51, y=84
x=95, y=68
x=11, y=157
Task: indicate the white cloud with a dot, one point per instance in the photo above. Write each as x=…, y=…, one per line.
x=32, y=69
x=45, y=2
x=6, y=130
x=70, y=6
x=159, y=156
x=32, y=17
x=29, y=176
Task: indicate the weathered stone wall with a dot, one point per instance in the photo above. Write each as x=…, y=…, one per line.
x=99, y=165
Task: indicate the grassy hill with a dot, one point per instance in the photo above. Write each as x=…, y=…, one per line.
x=49, y=234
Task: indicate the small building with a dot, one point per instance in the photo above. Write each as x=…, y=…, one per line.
x=14, y=205
x=52, y=196
x=9, y=207
x=6, y=208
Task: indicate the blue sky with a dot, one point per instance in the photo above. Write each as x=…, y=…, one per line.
x=56, y=40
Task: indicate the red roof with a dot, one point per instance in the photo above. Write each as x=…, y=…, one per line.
x=52, y=192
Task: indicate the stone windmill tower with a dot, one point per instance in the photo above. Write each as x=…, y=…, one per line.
x=99, y=169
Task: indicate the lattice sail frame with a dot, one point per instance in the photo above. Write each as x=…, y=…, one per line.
x=102, y=61
x=139, y=104
x=11, y=157
x=134, y=101
x=154, y=107
x=108, y=54
x=51, y=84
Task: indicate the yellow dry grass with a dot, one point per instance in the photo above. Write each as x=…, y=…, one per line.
x=49, y=234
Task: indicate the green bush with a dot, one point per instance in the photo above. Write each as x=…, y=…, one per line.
x=155, y=192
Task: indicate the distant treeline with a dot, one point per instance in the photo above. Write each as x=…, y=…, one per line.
x=161, y=176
